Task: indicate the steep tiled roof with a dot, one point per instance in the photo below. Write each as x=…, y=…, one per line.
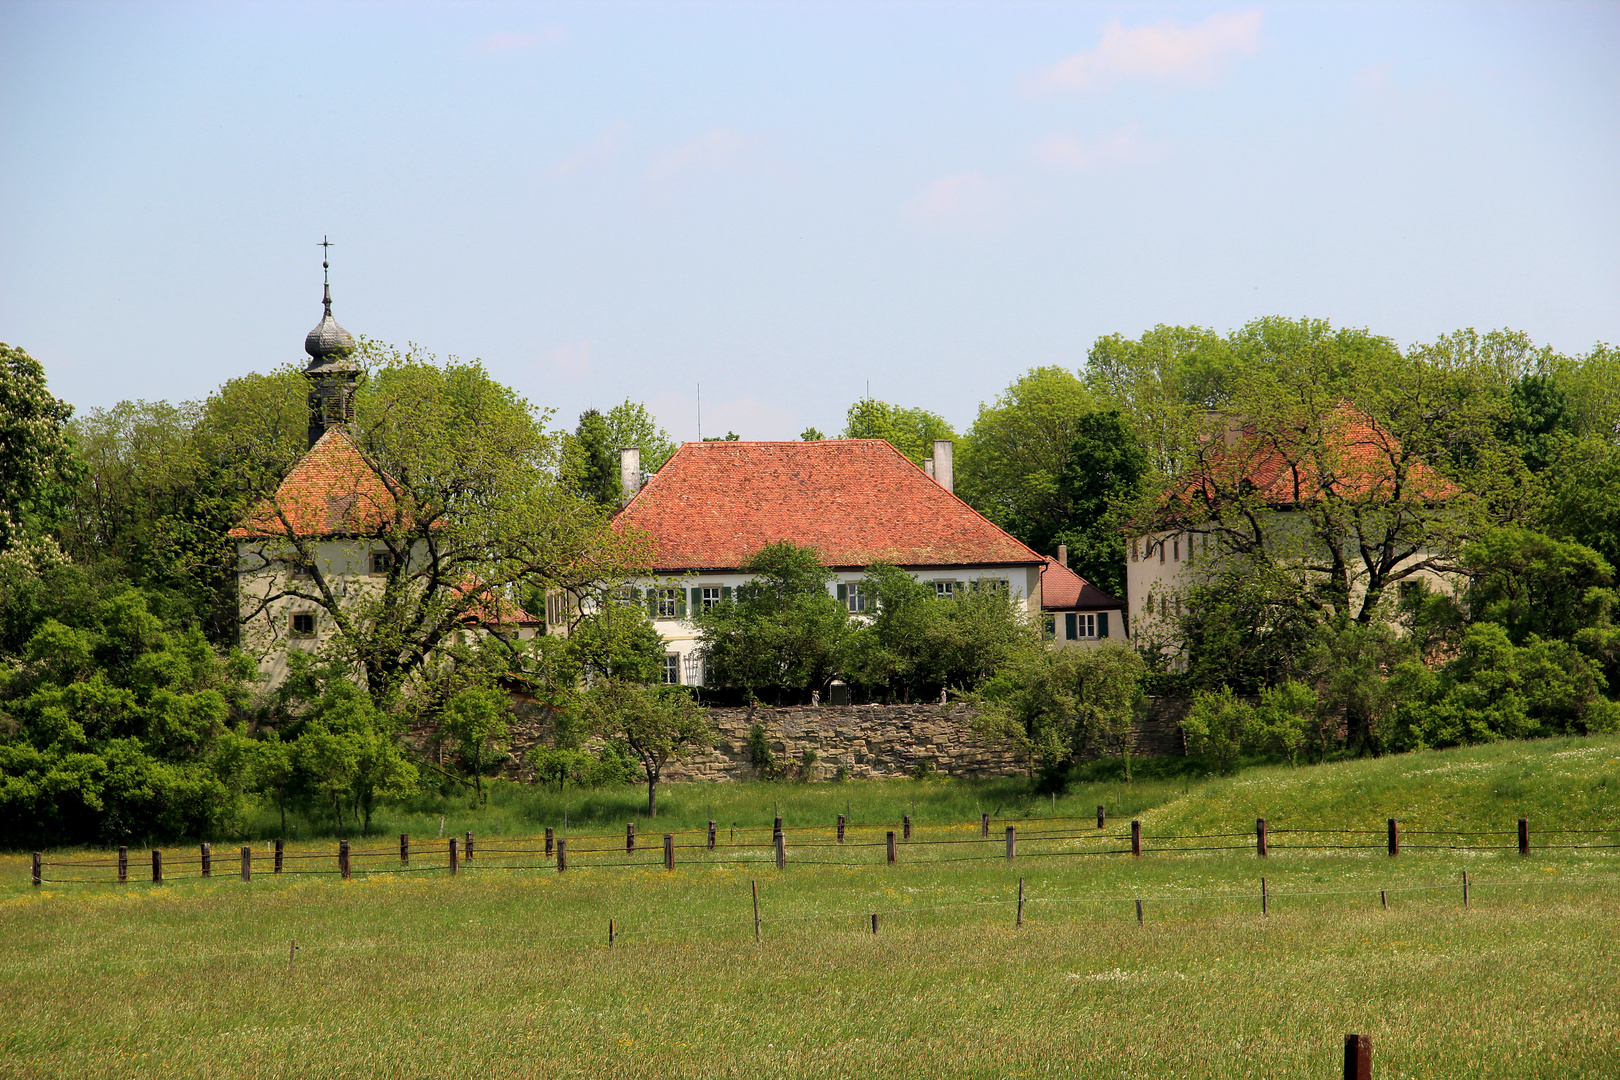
x=1359, y=454
x=330, y=492
x=1064, y=590
x=857, y=501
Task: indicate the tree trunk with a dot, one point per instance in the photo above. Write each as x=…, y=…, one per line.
x=652, y=794
x=281, y=803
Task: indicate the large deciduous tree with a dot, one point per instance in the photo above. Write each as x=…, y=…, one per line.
x=454, y=477
x=910, y=431
x=38, y=468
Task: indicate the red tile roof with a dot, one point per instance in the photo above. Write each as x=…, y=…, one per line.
x=857, y=501
x=330, y=492
x=1359, y=464
x=1064, y=590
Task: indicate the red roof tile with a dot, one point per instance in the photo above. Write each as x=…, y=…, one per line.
x=857, y=501
x=330, y=492
x=1064, y=590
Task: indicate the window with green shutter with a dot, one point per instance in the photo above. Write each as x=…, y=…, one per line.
x=1102, y=624
x=1069, y=627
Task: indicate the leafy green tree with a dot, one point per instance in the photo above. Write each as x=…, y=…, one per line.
x=38, y=469
x=1222, y=725
x=658, y=724
x=1103, y=478
x=759, y=752
x=1538, y=414
x=591, y=461
x=1288, y=717
x=1012, y=461
x=472, y=496
x=1056, y=705
x=811, y=434
x=910, y=431
x=477, y=721
x=1531, y=583
x=783, y=633
x=630, y=424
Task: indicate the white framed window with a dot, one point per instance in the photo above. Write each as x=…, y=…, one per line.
x=855, y=597
x=669, y=603
x=302, y=624
x=711, y=596
x=1080, y=626
x=556, y=608
x=945, y=590
x=695, y=670
x=672, y=669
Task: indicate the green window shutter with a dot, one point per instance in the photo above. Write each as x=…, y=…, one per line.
x=680, y=603
x=843, y=595
x=1102, y=624
x=652, y=603
x=635, y=594
x=697, y=601
x=1069, y=630
x=725, y=594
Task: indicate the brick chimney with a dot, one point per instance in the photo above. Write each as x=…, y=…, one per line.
x=1063, y=556
x=944, y=476
x=629, y=473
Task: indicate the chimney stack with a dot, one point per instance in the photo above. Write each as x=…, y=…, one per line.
x=629, y=473
x=1063, y=556
x=943, y=474
x=928, y=467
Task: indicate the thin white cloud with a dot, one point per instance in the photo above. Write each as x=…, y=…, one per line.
x=715, y=150
x=966, y=202
x=515, y=41
x=1074, y=153
x=598, y=151
x=1163, y=50
x=568, y=363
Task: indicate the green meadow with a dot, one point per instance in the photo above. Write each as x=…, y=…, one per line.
x=509, y=972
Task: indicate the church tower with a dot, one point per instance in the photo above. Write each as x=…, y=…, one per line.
x=332, y=373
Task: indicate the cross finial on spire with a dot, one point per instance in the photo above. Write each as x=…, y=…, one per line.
x=326, y=281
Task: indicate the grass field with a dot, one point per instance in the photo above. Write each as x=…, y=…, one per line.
x=508, y=972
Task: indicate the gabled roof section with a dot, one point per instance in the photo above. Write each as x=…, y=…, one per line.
x=1064, y=590
x=330, y=492
x=857, y=501
x=1361, y=458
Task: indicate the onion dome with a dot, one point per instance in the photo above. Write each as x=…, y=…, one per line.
x=328, y=341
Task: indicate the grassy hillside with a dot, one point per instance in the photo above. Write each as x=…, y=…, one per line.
x=1556, y=783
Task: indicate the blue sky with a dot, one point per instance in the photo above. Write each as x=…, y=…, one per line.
x=786, y=202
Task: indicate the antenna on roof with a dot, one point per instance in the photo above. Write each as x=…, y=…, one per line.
x=700, y=411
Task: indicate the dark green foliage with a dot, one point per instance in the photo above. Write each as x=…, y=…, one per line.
x=38, y=469
x=759, y=753
x=1531, y=584
x=591, y=461
x=116, y=724
x=1104, y=474
x=1538, y=412
x=783, y=634
x=1246, y=626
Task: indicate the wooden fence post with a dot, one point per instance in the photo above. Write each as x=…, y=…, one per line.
x=905, y=823
x=157, y=867
x=755, y=884
x=562, y=855
x=1524, y=836
x=1357, y=1057
x=711, y=834
x=1263, y=897
x=669, y=851
x=984, y=826
x=781, y=852
x=468, y=851
x=1394, y=838
x=891, y=847
x=1260, y=837
x=778, y=826
x=1139, y=913
x=874, y=924
x=610, y=933
x=1020, y=921
x=207, y=860
x=1465, y=890
x=1383, y=899
x=280, y=844
x=405, y=849
x=840, y=828
x=629, y=837
x=123, y=865
x=1102, y=817
x=1012, y=842
x=38, y=855
x=343, y=859
x=455, y=857
x=1136, y=838
x=247, y=864
x=551, y=842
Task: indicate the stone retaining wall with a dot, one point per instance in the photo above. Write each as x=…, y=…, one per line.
x=865, y=740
